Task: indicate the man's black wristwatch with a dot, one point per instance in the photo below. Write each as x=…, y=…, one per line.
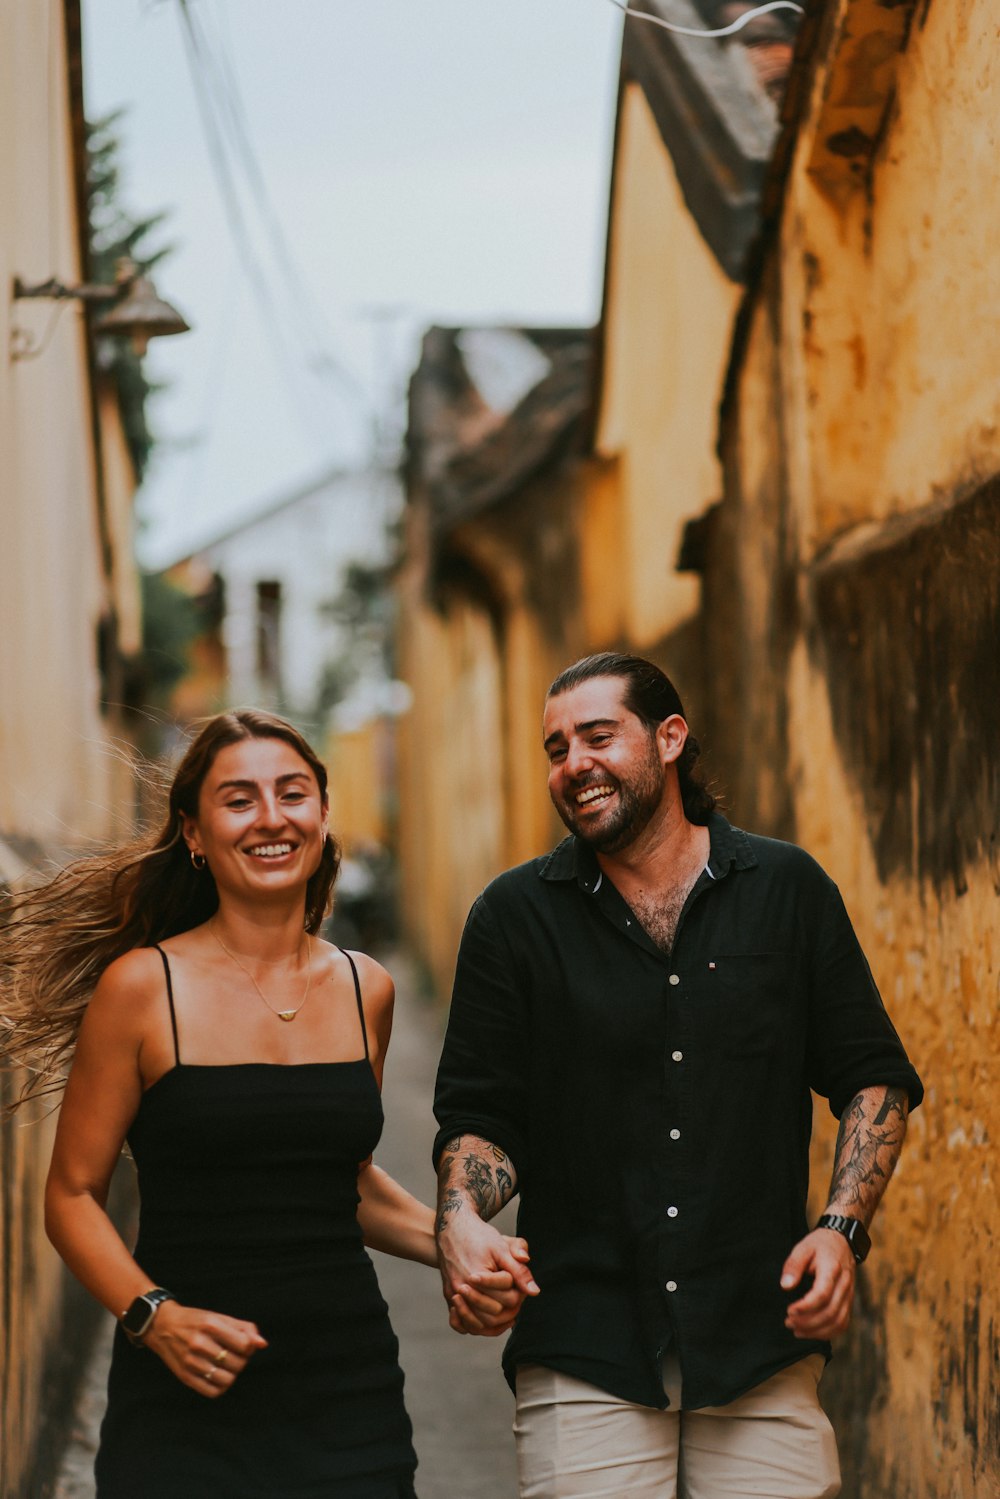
x=853, y=1231
x=138, y=1319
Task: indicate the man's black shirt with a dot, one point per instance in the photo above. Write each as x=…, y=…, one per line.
x=657, y=1109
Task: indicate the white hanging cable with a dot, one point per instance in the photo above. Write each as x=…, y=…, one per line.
x=737, y=25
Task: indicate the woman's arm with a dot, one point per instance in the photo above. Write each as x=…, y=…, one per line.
x=101, y=1100
x=393, y=1220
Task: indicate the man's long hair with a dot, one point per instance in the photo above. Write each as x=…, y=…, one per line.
x=652, y=697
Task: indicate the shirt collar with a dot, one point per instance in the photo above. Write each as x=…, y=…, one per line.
x=572, y=859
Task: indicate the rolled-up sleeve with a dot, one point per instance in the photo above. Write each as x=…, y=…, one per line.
x=482, y=1081
x=852, y=1042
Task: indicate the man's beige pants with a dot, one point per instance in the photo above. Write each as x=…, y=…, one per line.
x=578, y=1442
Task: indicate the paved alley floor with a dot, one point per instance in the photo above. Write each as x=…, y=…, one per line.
x=457, y=1398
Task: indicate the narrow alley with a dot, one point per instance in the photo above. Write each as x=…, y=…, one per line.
x=457, y=1398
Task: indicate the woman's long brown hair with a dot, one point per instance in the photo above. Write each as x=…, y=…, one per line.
x=57, y=938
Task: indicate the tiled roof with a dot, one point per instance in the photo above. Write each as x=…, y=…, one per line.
x=465, y=451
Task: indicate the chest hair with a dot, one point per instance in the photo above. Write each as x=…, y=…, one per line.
x=659, y=911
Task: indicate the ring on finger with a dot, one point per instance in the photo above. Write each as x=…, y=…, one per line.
x=221, y=1356
x=209, y=1376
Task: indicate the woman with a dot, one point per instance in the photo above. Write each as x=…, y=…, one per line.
x=241, y=1057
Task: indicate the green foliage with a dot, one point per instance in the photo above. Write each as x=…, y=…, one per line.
x=116, y=234
x=171, y=620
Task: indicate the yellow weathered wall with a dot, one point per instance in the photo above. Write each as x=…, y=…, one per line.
x=472, y=782
x=358, y=764
x=60, y=781
x=57, y=776
x=860, y=545
x=929, y=1310
x=890, y=357
x=451, y=756
x=667, y=326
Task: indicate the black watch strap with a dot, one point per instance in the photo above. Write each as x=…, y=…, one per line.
x=137, y=1319
x=853, y=1231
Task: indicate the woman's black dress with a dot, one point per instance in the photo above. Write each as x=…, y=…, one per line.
x=248, y=1192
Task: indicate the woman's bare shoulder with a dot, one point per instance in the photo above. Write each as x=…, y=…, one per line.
x=130, y=986
x=376, y=981
x=377, y=987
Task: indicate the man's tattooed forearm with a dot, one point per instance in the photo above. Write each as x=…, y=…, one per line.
x=867, y=1150
x=481, y=1174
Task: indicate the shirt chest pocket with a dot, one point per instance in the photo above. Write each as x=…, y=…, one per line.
x=747, y=998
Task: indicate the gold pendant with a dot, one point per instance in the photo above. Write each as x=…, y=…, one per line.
x=286, y=1014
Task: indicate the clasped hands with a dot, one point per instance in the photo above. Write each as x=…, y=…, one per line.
x=485, y=1276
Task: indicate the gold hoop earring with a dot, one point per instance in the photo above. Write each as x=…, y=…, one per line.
x=198, y=860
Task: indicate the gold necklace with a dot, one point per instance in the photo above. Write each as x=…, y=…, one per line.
x=281, y=1014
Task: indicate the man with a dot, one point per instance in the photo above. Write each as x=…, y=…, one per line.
x=637, y=1022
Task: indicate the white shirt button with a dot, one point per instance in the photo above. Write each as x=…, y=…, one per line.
x=675, y=978
x=675, y=1134
x=671, y=1285
x=677, y=1056
x=672, y=1212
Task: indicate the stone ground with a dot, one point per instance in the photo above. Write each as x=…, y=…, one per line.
x=459, y=1403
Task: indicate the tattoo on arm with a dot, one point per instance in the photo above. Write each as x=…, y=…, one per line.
x=476, y=1172
x=449, y=1204
x=480, y=1185
x=872, y=1128
x=895, y=1102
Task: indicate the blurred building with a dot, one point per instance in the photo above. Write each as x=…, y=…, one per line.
x=491, y=602
x=293, y=618
x=778, y=474
x=70, y=624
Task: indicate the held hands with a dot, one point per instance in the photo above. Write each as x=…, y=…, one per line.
x=205, y=1350
x=825, y=1310
x=485, y=1276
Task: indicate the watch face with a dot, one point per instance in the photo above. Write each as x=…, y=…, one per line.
x=138, y=1316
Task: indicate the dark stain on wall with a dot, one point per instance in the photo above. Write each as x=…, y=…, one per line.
x=907, y=631
x=855, y=1387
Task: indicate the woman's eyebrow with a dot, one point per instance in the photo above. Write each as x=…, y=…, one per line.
x=291, y=775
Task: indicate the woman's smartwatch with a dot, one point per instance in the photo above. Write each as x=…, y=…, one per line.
x=138, y=1319
x=853, y=1231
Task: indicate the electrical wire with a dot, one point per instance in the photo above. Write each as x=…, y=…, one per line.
x=233, y=208
x=228, y=146
x=737, y=25
x=303, y=304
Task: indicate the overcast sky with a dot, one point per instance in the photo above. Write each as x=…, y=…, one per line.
x=426, y=161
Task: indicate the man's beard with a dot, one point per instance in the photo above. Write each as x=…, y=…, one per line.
x=638, y=800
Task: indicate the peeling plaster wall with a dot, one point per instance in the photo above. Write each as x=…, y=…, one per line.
x=893, y=289
x=668, y=319
x=852, y=624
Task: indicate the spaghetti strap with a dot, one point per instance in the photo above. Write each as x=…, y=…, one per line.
x=361, y=1008
x=170, y=1001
